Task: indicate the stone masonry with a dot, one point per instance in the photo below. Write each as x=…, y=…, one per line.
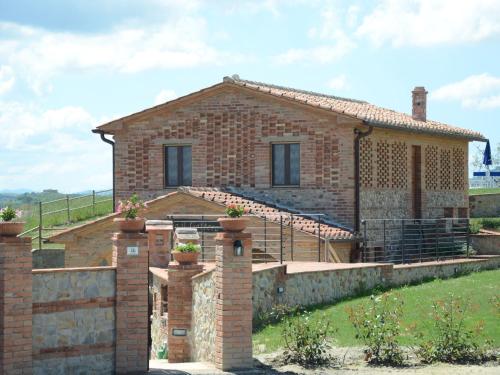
x=15, y=306
x=131, y=302
x=233, y=311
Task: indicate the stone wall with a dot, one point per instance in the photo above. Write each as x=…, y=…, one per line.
x=74, y=320
x=484, y=205
x=159, y=315
x=48, y=258
x=311, y=288
x=486, y=242
x=203, y=326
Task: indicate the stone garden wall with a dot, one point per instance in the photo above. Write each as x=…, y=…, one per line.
x=203, y=326
x=484, y=205
x=74, y=320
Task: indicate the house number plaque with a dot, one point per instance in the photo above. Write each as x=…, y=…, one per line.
x=133, y=250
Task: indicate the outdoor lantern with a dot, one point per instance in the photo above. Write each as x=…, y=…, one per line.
x=238, y=248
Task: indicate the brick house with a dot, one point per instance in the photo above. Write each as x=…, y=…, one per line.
x=297, y=149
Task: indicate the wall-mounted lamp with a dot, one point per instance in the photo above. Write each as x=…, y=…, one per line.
x=238, y=248
x=179, y=332
x=280, y=290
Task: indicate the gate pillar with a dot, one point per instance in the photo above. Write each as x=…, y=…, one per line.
x=233, y=311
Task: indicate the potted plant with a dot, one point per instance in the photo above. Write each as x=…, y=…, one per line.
x=130, y=223
x=186, y=253
x=10, y=227
x=235, y=222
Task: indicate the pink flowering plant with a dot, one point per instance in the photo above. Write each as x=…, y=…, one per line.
x=233, y=210
x=131, y=207
x=9, y=214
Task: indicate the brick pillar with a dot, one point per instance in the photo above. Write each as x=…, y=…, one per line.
x=180, y=307
x=159, y=232
x=15, y=306
x=233, y=313
x=130, y=257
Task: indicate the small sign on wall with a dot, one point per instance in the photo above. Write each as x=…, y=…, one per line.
x=133, y=250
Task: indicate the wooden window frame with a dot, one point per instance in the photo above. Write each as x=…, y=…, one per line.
x=287, y=160
x=180, y=165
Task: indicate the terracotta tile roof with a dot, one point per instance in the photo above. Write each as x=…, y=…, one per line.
x=374, y=115
x=302, y=223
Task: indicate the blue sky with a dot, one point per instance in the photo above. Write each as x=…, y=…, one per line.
x=68, y=66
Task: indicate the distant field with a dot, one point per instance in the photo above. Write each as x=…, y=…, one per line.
x=484, y=191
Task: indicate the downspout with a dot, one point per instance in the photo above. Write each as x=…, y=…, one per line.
x=357, y=209
x=109, y=141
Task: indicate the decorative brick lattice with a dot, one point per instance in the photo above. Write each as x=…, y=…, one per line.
x=445, y=169
x=458, y=169
x=366, y=163
x=431, y=168
x=399, y=161
x=383, y=158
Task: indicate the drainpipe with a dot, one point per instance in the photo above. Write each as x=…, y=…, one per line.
x=109, y=141
x=357, y=213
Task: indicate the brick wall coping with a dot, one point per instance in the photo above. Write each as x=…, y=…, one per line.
x=475, y=259
x=162, y=273
x=76, y=269
x=208, y=268
x=484, y=232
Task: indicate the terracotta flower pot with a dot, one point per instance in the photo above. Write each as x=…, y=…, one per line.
x=185, y=258
x=233, y=224
x=11, y=228
x=130, y=225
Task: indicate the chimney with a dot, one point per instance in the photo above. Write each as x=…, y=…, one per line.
x=419, y=109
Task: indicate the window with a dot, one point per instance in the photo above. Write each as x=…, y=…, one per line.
x=177, y=165
x=286, y=164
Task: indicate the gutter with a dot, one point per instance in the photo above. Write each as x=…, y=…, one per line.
x=109, y=141
x=357, y=213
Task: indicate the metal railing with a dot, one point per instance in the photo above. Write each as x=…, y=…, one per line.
x=64, y=211
x=274, y=238
x=414, y=240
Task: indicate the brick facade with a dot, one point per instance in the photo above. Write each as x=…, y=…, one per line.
x=15, y=306
x=131, y=303
x=231, y=133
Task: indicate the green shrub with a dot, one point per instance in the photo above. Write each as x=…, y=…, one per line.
x=306, y=340
x=453, y=341
x=491, y=222
x=378, y=325
x=187, y=248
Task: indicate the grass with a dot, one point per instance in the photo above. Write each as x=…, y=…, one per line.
x=478, y=191
x=492, y=223
x=477, y=288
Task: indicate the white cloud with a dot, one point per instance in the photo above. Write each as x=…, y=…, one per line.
x=338, y=83
x=431, y=22
x=164, y=96
x=51, y=148
x=478, y=91
x=334, y=42
x=39, y=54
x=7, y=78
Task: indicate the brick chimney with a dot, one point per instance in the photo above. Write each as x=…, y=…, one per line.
x=419, y=108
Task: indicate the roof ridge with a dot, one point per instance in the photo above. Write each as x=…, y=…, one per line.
x=236, y=78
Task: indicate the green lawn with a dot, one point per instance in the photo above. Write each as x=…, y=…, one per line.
x=491, y=223
x=477, y=288
x=484, y=191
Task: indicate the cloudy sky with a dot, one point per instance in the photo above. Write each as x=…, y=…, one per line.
x=69, y=65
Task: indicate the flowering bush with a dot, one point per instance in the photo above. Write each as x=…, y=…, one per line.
x=378, y=326
x=233, y=210
x=130, y=207
x=187, y=248
x=9, y=214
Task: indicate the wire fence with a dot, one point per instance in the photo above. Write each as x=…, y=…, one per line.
x=52, y=216
x=410, y=240
x=274, y=238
